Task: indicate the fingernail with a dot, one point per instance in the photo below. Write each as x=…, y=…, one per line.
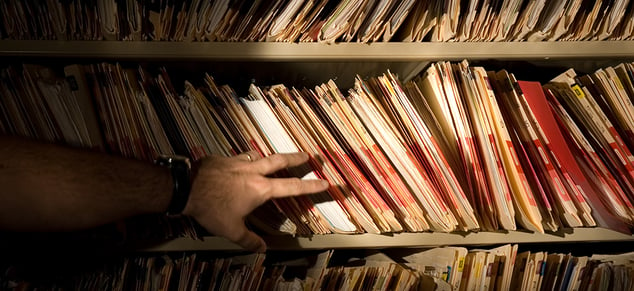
x=325, y=184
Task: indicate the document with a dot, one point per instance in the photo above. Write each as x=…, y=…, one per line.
x=527, y=20
x=78, y=85
x=552, y=137
x=425, y=147
x=566, y=89
x=445, y=263
x=286, y=20
x=419, y=22
x=330, y=150
x=439, y=215
x=109, y=19
x=343, y=192
x=281, y=142
x=352, y=132
x=527, y=210
x=612, y=19
x=339, y=21
x=448, y=18
x=552, y=13
x=484, y=121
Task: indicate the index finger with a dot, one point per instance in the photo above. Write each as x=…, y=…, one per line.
x=276, y=162
x=284, y=187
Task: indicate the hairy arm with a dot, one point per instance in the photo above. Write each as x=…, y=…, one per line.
x=45, y=187
x=49, y=187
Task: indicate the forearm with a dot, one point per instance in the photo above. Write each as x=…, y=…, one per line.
x=48, y=188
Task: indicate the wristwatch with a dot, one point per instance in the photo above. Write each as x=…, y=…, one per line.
x=180, y=167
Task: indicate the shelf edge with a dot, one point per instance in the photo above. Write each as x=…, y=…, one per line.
x=273, y=51
x=375, y=241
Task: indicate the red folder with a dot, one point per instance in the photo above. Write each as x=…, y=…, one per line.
x=561, y=149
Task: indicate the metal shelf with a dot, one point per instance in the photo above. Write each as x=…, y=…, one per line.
x=374, y=241
x=272, y=51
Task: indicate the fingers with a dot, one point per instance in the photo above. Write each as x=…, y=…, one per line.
x=284, y=187
x=247, y=239
x=258, y=188
x=249, y=156
x=276, y=162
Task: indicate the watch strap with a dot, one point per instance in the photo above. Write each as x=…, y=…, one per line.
x=180, y=168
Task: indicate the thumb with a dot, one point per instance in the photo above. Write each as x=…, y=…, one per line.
x=248, y=240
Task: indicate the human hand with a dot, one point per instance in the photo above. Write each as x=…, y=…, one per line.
x=226, y=189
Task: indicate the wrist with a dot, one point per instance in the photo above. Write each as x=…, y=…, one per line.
x=181, y=176
x=190, y=207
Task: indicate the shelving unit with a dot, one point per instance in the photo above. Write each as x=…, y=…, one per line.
x=317, y=60
x=306, y=65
